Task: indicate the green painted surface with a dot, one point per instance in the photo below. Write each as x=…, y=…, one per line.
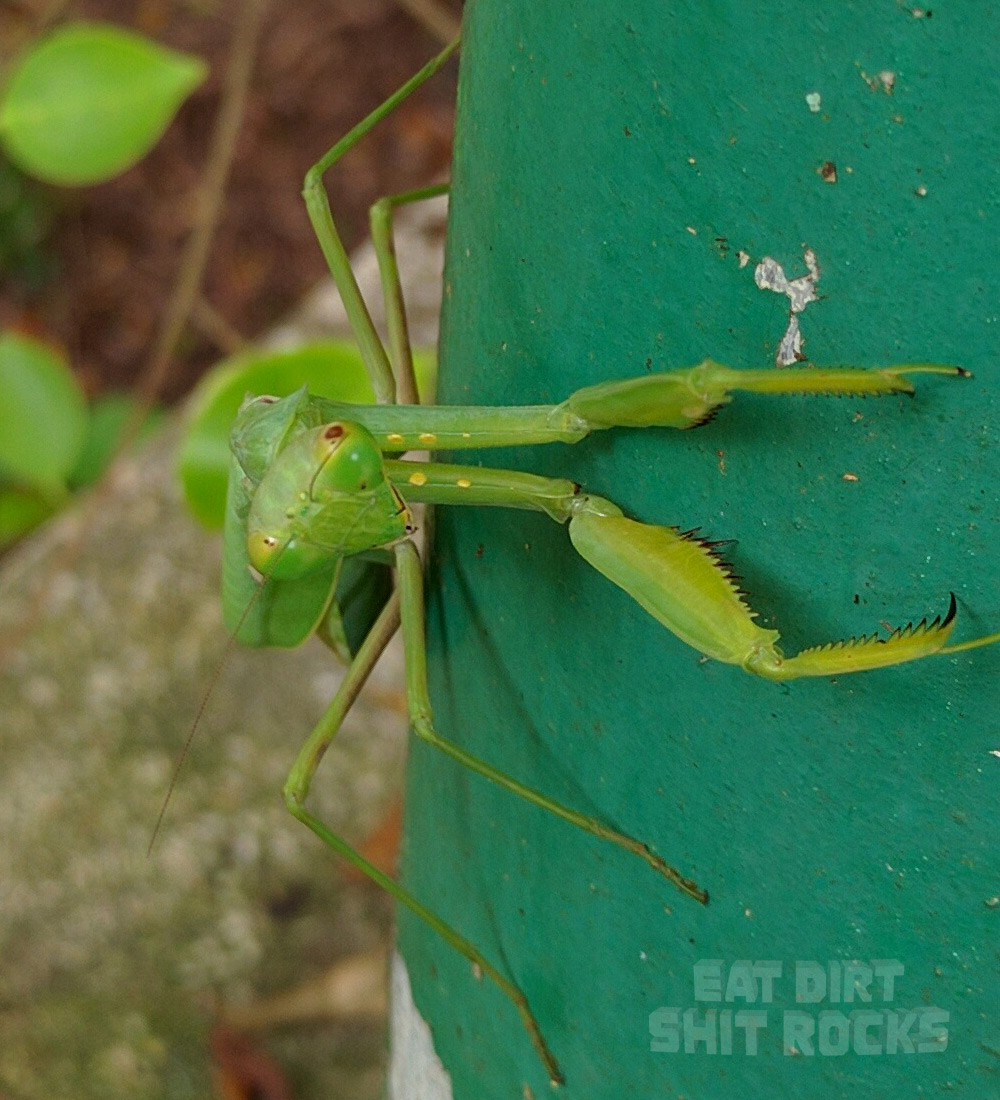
x=612, y=160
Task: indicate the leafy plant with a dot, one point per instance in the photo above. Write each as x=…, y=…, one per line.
x=25, y=219
x=89, y=100
x=51, y=442
x=81, y=105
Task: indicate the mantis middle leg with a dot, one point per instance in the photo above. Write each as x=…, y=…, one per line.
x=400, y=351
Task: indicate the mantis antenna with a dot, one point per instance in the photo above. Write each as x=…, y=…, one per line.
x=231, y=640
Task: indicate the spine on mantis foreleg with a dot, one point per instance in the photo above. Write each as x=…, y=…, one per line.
x=687, y=398
x=677, y=578
x=682, y=582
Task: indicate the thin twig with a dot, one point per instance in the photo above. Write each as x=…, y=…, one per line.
x=211, y=324
x=192, y=269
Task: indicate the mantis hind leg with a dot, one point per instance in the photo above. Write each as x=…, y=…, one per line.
x=318, y=205
x=410, y=583
x=400, y=350
x=297, y=790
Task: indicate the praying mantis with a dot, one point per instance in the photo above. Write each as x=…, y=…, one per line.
x=320, y=499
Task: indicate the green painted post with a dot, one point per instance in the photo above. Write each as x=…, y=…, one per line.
x=617, y=162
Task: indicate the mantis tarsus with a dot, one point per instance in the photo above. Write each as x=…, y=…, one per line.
x=315, y=484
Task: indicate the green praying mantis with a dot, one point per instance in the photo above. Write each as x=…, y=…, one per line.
x=320, y=499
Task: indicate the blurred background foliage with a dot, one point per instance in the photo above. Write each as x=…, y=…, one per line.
x=95, y=216
x=118, y=295
x=80, y=105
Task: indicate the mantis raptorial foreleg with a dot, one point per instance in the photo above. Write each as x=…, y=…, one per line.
x=677, y=577
x=674, y=399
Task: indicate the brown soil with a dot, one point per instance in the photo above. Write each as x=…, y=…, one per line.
x=320, y=66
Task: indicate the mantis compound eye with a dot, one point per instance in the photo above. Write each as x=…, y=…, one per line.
x=264, y=552
x=348, y=460
x=282, y=558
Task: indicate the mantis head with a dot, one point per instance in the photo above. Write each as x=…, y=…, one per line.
x=325, y=496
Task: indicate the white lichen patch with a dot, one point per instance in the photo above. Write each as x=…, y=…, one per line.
x=770, y=275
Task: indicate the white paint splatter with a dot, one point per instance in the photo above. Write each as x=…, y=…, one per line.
x=415, y=1071
x=884, y=81
x=769, y=275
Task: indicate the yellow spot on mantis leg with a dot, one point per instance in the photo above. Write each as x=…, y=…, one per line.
x=417, y=478
x=427, y=437
x=466, y=435
x=394, y=437
x=463, y=483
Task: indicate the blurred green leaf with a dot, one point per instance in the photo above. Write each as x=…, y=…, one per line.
x=88, y=100
x=328, y=368
x=43, y=417
x=109, y=415
x=20, y=511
